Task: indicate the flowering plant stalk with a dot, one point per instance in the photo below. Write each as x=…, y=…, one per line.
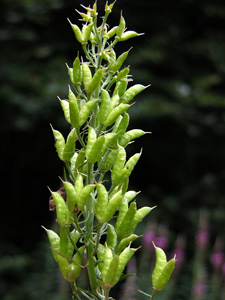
x=96, y=213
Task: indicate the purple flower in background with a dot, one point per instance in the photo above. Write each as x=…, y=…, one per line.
x=199, y=290
x=202, y=238
x=148, y=238
x=179, y=252
x=223, y=270
x=217, y=260
x=161, y=242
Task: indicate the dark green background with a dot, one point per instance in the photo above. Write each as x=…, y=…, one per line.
x=182, y=55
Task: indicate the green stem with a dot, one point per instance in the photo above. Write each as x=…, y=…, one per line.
x=154, y=292
x=97, y=237
x=80, y=138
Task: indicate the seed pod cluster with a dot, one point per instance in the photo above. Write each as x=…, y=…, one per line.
x=96, y=109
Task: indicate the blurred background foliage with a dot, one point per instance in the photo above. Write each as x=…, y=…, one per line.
x=182, y=55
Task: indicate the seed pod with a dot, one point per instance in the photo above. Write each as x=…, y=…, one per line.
x=102, y=202
x=74, y=110
x=105, y=106
x=100, y=255
x=140, y=214
x=109, y=137
x=74, y=268
x=87, y=75
x=77, y=32
x=125, y=229
x=110, y=160
x=86, y=32
x=130, y=136
x=122, y=212
x=130, y=195
x=124, y=257
x=111, y=239
x=71, y=197
x=132, y=92
x=112, y=206
x=78, y=188
x=70, y=146
x=95, y=82
x=122, y=74
x=59, y=142
x=121, y=128
x=128, y=168
x=54, y=241
x=118, y=166
x=64, y=216
x=111, y=32
x=66, y=110
x=121, y=27
x=110, y=278
x=64, y=241
x=95, y=152
x=125, y=242
x=83, y=196
x=108, y=256
x=114, y=67
x=86, y=109
x=77, y=72
x=113, y=115
x=121, y=87
x=91, y=140
x=80, y=161
x=128, y=35
x=162, y=270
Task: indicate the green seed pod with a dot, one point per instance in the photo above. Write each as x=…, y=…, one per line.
x=87, y=75
x=95, y=152
x=102, y=202
x=162, y=270
x=92, y=136
x=125, y=242
x=66, y=109
x=125, y=229
x=109, y=137
x=132, y=92
x=109, y=161
x=74, y=109
x=54, y=241
x=74, y=269
x=108, y=256
x=122, y=212
x=86, y=32
x=77, y=32
x=120, y=28
x=120, y=87
x=110, y=278
x=140, y=214
x=63, y=265
x=114, y=102
x=128, y=35
x=118, y=166
x=70, y=146
x=73, y=163
x=59, y=142
x=112, y=206
x=130, y=195
x=130, y=136
x=71, y=197
x=111, y=32
x=86, y=109
x=128, y=168
x=111, y=239
x=122, y=74
x=113, y=115
x=77, y=72
x=64, y=216
x=124, y=257
x=64, y=241
x=79, y=184
x=114, y=67
x=95, y=82
x=105, y=106
x=100, y=255
x=83, y=196
x=121, y=128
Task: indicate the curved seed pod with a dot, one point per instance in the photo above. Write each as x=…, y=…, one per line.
x=114, y=67
x=87, y=75
x=64, y=216
x=122, y=212
x=121, y=27
x=129, y=166
x=63, y=265
x=140, y=214
x=165, y=275
x=92, y=136
x=125, y=229
x=121, y=128
x=77, y=71
x=69, y=148
x=102, y=202
x=122, y=74
x=70, y=195
x=59, y=142
x=54, y=241
x=78, y=188
x=66, y=109
x=100, y=255
x=124, y=257
x=74, y=109
x=110, y=278
x=111, y=32
x=83, y=196
x=130, y=136
x=64, y=241
x=118, y=166
x=110, y=160
x=114, y=101
x=125, y=242
x=105, y=106
x=111, y=239
x=128, y=35
x=112, y=206
x=74, y=268
x=80, y=159
x=95, y=152
x=95, y=82
x=113, y=115
x=130, y=195
x=77, y=32
x=86, y=32
x=108, y=256
x=132, y=92
x=121, y=87
x=109, y=137
x=86, y=109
